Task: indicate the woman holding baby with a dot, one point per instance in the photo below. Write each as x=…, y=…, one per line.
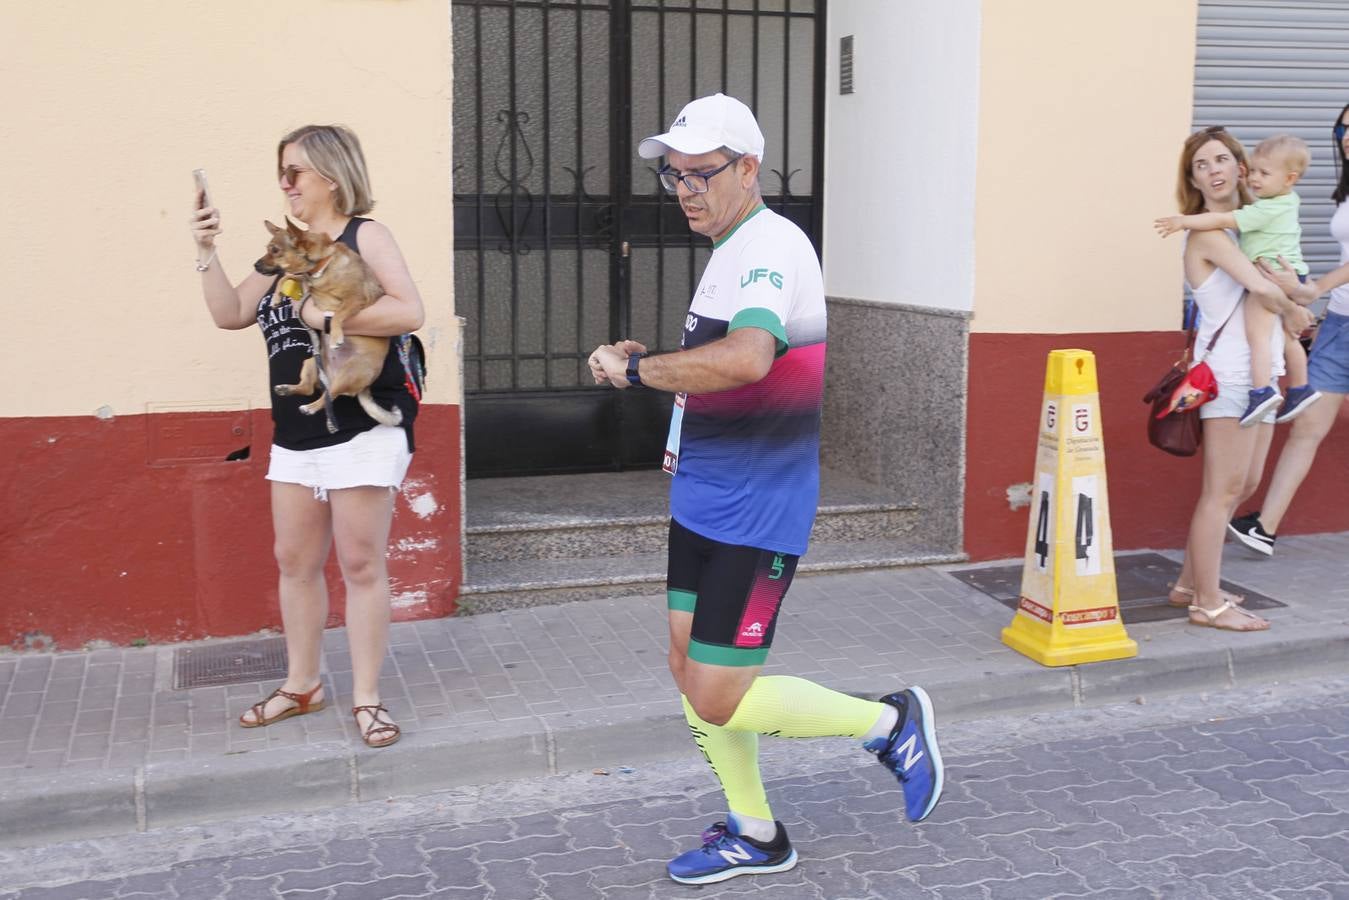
x=1212, y=174
x=328, y=489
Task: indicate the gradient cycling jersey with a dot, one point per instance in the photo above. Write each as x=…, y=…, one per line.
x=746, y=461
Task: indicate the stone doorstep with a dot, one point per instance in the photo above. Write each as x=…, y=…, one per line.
x=497, y=586
x=39, y=809
x=622, y=536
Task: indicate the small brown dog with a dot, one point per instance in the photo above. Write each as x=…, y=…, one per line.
x=339, y=282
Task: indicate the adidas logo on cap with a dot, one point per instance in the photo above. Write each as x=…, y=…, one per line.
x=679, y=123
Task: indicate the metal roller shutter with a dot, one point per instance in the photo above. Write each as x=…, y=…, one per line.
x=1265, y=67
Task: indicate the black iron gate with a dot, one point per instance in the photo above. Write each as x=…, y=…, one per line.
x=563, y=238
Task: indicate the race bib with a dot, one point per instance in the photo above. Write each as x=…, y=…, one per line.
x=671, y=462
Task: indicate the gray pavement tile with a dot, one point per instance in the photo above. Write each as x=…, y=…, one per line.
x=89, y=746
x=386, y=888
x=453, y=869
x=63, y=689
x=45, y=759
x=34, y=665
x=1292, y=794
x=58, y=713
x=644, y=842
x=324, y=876
x=13, y=753
x=137, y=683
x=17, y=705
x=458, y=837
x=93, y=721
x=569, y=887
x=50, y=737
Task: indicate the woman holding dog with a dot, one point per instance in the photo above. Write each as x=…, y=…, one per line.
x=1212, y=179
x=328, y=488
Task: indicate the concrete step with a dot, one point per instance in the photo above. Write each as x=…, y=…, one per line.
x=622, y=536
x=493, y=586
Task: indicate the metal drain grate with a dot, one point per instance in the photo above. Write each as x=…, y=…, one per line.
x=233, y=663
x=1142, y=580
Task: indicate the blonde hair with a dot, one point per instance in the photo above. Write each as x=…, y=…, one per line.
x=335, y=153
x=1188, y=197
x=1292, y=151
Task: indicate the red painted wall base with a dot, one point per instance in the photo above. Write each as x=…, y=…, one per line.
x=135, y=527
x=1152, y=495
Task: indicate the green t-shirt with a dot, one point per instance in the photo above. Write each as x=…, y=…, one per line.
x=1269, y=229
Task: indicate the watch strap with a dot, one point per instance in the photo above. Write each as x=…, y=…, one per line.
x=633, y=377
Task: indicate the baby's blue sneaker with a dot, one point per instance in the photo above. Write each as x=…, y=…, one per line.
x=1262, y=401
x=1298, y=399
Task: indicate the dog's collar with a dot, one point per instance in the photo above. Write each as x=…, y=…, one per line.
x=321, y=269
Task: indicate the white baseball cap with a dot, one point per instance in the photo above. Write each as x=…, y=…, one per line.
x=707, y=124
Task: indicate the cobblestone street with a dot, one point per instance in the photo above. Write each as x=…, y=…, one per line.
x=1232, y=795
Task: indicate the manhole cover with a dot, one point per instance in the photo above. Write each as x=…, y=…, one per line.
x=1142, y=580
x=232, y=663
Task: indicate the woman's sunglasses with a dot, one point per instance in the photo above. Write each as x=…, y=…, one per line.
x=290, y=173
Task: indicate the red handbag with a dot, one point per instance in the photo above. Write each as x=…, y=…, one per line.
x=1173, y=426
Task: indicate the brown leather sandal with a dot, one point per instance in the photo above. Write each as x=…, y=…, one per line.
x=302, y=707
x=381, y=733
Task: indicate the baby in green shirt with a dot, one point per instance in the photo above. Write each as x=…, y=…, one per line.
x=1269, y=230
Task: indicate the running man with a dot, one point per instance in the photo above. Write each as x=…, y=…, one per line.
x=744, y=452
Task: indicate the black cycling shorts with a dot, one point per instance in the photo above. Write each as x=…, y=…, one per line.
x=734, y=593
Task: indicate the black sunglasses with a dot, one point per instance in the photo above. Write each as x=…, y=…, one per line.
x=696, y=182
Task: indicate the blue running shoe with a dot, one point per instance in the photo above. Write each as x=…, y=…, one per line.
x=1262, y=401
x=911, y=752
x=725, y=854
x=1297, y=401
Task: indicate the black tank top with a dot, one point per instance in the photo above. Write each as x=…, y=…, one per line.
x=288, y=347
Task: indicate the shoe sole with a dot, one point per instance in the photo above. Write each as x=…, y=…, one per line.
x=930, y=739
x=714, y=877
x=1297, y=410
x=1254, y=416
x=1249, y=542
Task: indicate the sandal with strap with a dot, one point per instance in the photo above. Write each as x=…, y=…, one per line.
x=302, y=706
x=1211, y=615
x=1234, y=599
x=380, y=733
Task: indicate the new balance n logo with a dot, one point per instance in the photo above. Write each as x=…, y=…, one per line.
x=907, y=748
x=734, y=854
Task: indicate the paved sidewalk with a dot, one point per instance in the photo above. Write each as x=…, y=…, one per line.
x=98, y=743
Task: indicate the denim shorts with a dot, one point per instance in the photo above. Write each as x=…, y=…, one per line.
x=375, y=458
x=1328, y=365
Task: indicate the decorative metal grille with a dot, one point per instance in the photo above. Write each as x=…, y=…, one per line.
x=563, y=238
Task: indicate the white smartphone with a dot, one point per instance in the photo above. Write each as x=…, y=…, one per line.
x=204, y=195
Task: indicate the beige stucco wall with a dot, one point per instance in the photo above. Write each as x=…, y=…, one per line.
x=1082, y=110
x=109, y=107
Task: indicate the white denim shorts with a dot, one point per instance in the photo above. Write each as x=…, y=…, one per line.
x=375, y=458
x=1231, y=403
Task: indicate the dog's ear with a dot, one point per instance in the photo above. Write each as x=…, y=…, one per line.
x=270, y=227
x=293, y=228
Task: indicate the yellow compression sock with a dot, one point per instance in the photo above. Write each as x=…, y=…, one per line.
x=734, y=758
x=786, y=706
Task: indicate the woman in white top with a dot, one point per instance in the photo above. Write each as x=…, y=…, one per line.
x=1212, y=169
x=1328, y=370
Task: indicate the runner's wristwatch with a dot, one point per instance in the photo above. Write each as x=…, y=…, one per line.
x=633, y=378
